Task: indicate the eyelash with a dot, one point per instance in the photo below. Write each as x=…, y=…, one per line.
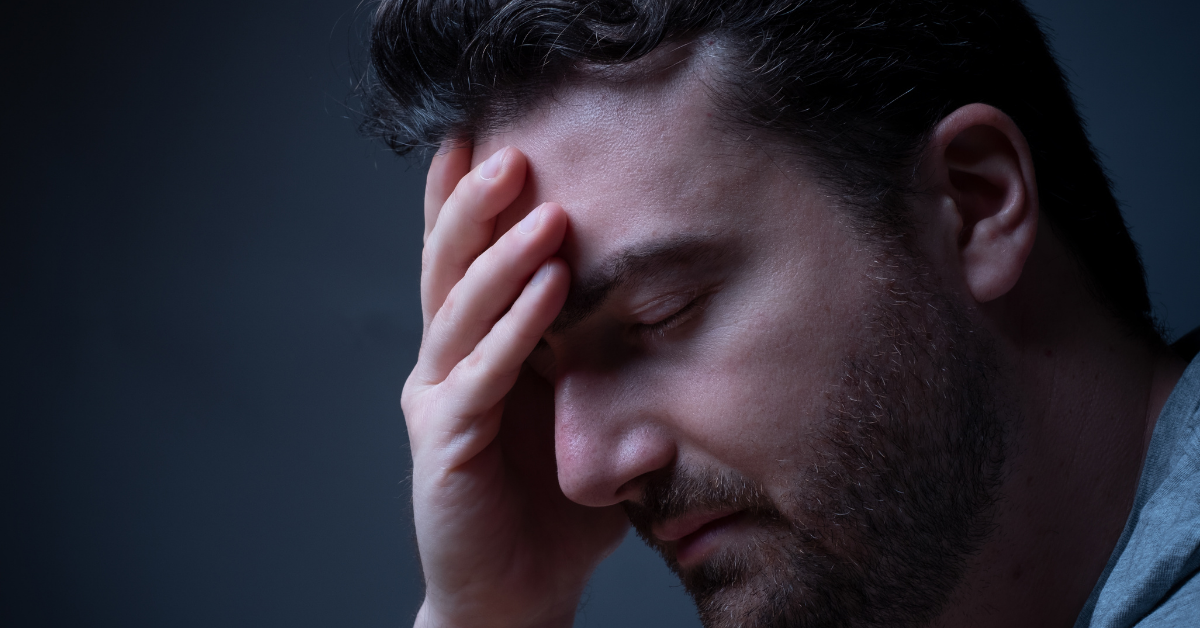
x=683, y=315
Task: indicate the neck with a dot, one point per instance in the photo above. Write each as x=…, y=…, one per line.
x=1087, y=396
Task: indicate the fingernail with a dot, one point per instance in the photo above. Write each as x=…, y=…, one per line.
x=530, y=221
x=491, y=168
x=540, y=275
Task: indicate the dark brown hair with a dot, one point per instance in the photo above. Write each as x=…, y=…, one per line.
x=856, y=86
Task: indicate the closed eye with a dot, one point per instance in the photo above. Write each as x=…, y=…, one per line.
x=683, y=315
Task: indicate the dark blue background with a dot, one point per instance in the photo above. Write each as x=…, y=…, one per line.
x=210, y=303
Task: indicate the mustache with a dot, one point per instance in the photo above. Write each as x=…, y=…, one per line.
x=669, y=493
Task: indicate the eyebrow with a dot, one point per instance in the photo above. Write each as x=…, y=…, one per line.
x=637, y=264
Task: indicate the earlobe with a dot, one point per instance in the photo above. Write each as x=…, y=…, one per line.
x=982, y=166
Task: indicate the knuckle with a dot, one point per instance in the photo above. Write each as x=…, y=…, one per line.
x=476, y=362
x=442, y=261
x=468, y=374
x=480, y=366
x=449, y=311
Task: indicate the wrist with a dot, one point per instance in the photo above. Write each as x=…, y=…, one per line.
x=428, y=617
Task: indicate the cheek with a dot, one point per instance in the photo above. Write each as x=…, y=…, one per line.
x=760, y=385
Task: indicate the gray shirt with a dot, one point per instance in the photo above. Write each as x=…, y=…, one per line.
x=1150, y=580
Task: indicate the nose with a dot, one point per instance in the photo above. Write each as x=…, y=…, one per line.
x=608, y=436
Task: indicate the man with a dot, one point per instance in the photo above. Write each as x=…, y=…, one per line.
x=829, y=299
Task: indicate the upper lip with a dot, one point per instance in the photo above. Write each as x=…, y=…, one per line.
x=679, y=527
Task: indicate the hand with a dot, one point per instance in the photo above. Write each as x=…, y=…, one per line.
x=500, y=544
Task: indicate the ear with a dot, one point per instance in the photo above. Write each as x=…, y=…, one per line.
x=979, y=170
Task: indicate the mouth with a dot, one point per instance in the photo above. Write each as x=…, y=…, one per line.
x=696, y=536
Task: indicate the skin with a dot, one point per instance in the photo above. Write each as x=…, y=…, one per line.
x=527, y=434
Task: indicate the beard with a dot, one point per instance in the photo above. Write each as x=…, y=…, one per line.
x=898, y=492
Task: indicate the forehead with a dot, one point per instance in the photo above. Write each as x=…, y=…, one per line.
x=636, y=160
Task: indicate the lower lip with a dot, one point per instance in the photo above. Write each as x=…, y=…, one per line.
x=692, y=549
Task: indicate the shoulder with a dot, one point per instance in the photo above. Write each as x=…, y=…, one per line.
x=1150, y=581
x=1180, y=610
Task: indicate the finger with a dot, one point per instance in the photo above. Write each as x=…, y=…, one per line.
x=465, y=224
x=451, y=163
x=488, y=288
x=479, y=383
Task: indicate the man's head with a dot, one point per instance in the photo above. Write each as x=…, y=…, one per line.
x=854, y=87
x=782, y=220
x=733, y=354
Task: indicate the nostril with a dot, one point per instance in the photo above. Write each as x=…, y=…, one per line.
x=634, y=490
x=631, y=491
